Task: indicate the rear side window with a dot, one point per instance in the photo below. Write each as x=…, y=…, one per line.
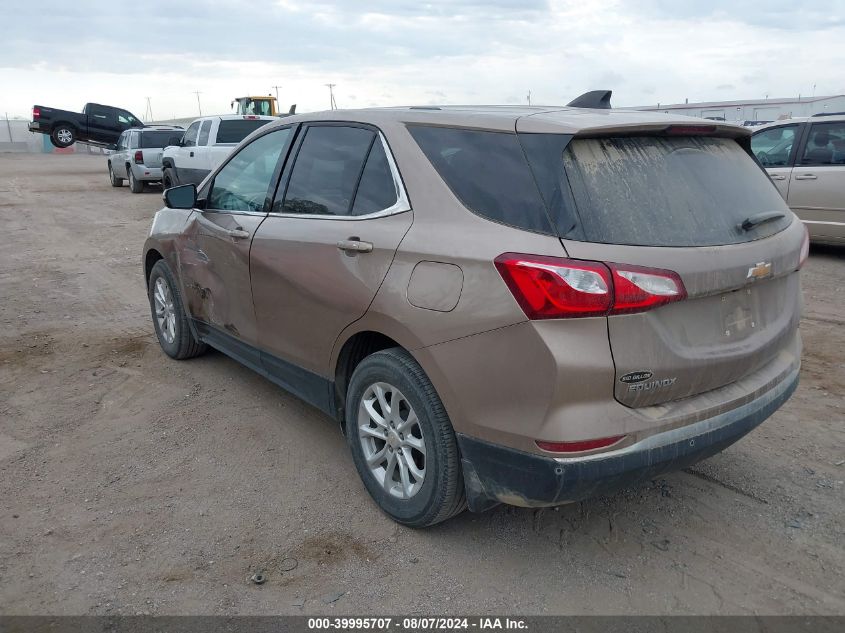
x=376, y=191
x=328, y=167
x=488, y=173
x=825, y=145
x=204, y=130
x=669, y=191
x=236, y=130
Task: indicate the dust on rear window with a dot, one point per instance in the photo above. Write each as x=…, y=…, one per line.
x=669, y=191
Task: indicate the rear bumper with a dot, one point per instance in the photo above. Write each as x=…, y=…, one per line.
x=147, y=174
x=35, y=126
x=496, y=474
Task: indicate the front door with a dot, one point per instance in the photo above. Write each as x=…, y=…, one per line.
x=775, y=149
x=186, y=161
x=215, y=260
x=817, y=187
x=322, y=253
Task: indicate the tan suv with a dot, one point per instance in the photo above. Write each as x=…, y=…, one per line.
x=805, y=158
x=499, y=305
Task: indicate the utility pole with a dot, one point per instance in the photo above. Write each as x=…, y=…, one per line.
x=149, y=112
x=276, y=88
x=332, y=103
x=529, y=97
x=199, y=107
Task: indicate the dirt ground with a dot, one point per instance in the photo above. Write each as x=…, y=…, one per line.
x=131, y=483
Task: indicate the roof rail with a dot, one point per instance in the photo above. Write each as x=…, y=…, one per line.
x=596, y=99
x=828, y=114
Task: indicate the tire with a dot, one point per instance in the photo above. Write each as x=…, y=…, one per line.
x=135, y=185
x=63, y=135
x=115, y=181
x=168, y=180
x=174, y=336
x=417, y=502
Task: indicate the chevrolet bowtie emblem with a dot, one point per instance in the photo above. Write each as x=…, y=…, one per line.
x=759, y=271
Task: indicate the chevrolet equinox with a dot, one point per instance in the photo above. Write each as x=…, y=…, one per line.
x=516, y=305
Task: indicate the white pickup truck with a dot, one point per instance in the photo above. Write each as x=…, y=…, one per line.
x=205, y=144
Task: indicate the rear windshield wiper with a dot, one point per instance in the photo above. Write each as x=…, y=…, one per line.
x=760, y=218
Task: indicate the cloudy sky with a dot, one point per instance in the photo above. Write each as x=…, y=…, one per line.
x=392, y=52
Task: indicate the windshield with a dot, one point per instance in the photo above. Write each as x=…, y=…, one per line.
x=670, y=191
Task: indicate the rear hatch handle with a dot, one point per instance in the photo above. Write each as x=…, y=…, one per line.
x=760, y=218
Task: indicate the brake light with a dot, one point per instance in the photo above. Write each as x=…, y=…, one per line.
x=690, y=130
x=805, y=248
x=250, y=117
x=557, y=288
x=580, y=446
x=636, y=288
x=139, y=157
x=36, y=113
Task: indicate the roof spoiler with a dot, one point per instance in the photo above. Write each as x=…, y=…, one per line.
x=596, y=99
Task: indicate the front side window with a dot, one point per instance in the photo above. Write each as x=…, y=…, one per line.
x=327, y=171
x=243, y=183
x=190, y=138
x=773, y=147
x=825, y=145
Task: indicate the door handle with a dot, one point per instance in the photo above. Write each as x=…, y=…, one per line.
x=807, y=177
x=777, y=177
x=354, y=245
x=236, y=233
x=191, y=154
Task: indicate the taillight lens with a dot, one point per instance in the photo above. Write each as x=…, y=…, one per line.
x=636, y=288
x=139, y=157
x=805, y=248
x=579, y=446
x=558, y=288
x=36, y=113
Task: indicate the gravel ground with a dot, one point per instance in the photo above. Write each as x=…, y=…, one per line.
x=131, y=483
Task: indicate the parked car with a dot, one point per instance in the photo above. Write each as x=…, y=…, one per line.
x=138, y=155
x=805, y=157
x=205, y=144
x=528, y=306
x=98, y=125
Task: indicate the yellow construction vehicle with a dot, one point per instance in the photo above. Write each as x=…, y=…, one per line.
x=263, y=106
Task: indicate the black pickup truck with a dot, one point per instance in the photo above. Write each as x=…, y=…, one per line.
x=98, y=125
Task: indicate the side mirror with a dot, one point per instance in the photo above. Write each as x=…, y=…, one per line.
x=181, y=197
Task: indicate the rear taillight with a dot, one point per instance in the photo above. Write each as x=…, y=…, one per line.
x=36, y=113
x=250, y=117
x=139, y=157
x=579, y=446
x=558, y=288
x=805, y=248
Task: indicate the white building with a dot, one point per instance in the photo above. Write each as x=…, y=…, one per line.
x=755, y=110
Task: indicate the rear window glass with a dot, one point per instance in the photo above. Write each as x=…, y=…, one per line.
x=160, y=138
x=669, y=191
x=236, y=130
x=376, y=191
x=488, y=172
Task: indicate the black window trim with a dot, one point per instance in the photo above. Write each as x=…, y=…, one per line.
x=208, y=185
x=402, y=204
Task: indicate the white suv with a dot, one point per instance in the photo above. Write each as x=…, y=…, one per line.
x=138, y=155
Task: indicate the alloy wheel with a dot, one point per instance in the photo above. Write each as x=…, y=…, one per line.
x=165, y=310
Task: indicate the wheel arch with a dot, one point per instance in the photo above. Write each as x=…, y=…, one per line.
x=150, y=259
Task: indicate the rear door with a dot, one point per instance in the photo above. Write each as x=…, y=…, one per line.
x=677, y=204
x=319, y=258
x=775, y=148
x=817, y=187
x=186, y=161
x=121, y=156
